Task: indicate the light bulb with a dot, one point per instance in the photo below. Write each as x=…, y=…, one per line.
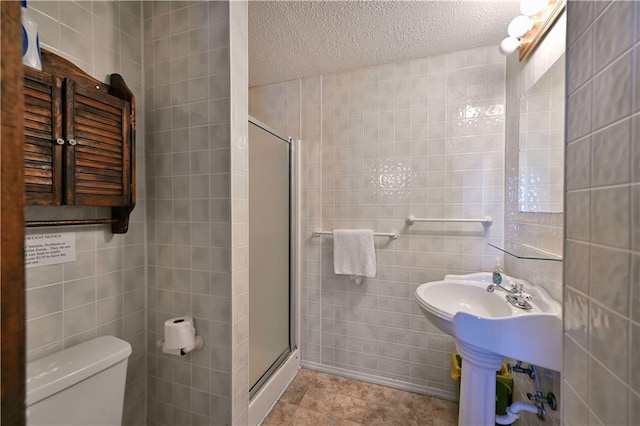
x=508, y=45
x=532, y=7
x=519, y=26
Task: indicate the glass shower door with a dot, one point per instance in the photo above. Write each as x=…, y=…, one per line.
x=269, y=253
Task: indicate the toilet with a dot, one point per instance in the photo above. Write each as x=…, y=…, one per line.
x=81, y=385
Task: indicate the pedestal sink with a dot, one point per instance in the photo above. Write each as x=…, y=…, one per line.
x=487, y=328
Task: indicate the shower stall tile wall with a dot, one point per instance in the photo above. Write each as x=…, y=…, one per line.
x=601, y=380
x=426, y=138
x=103, y=290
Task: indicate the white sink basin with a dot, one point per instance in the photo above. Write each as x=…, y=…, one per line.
x=461, y=306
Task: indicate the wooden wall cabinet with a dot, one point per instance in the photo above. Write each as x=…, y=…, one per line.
x=79, y=142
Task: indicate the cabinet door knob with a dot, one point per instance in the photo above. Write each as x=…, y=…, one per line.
x=72, y=142
x=60, y=141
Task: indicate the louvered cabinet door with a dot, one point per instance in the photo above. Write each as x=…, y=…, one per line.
x=43, y=138
x=98, y=151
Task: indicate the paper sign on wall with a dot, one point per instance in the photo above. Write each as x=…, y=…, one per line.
x=49, y=249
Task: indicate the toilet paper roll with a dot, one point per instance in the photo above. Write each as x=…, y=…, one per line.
x=179, y=332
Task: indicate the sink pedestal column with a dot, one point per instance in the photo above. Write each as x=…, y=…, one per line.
x=478, y=386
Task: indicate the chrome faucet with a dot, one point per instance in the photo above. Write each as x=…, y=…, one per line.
x=516, y=296
x=513, y=290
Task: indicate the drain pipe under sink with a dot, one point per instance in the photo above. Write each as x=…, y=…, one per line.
x=513, y=412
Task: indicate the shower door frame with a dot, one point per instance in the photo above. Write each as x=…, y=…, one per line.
x=288, y=363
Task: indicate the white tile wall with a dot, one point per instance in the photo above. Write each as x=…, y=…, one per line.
x=539, y=230
x=103, y=291
x=188, y=86
x=424, y=137
x=602, y=267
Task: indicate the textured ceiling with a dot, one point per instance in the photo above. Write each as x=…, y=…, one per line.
x=292, y=39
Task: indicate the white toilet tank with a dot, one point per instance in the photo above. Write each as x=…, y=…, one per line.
x=81, y=385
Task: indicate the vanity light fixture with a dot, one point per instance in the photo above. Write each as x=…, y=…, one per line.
x=521, y=25
x=509, y=45
x=532, y=7
x=527, y=30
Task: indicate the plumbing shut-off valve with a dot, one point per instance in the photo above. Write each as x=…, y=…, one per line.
x=538, y=397
x=518, y=368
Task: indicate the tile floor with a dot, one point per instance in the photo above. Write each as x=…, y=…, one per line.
x=315, y=398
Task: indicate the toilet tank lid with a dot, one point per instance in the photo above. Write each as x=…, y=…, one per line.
x=58, y=371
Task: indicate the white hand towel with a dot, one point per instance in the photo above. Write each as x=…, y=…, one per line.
x=354, y=254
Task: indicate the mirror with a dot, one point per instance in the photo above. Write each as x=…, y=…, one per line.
x=541, y=143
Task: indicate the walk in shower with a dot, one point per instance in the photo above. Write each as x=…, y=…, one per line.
x=272, y=262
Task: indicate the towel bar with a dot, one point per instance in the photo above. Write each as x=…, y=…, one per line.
x=486, y=221
x=393, y=235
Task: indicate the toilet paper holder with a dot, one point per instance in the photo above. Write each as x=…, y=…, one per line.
x=180, y=336
x=198, y=343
